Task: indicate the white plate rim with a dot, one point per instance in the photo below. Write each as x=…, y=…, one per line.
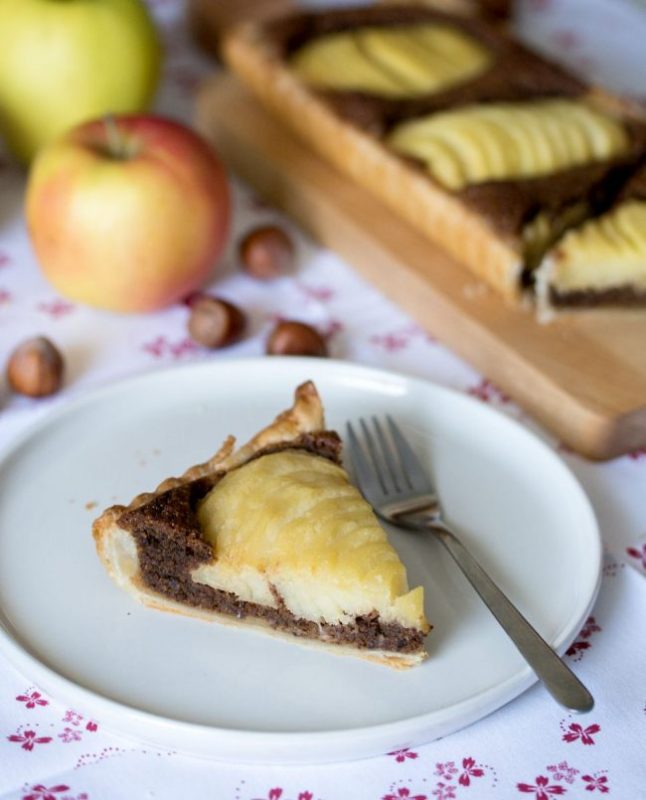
x=244, y=746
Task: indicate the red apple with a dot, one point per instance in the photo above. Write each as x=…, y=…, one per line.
x=128, y=213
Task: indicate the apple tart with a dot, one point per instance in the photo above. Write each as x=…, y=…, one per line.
x=603, y=260
x=486, y=147
x=273, y=536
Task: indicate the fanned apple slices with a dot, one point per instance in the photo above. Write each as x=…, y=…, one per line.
x=503, y=141
x=272, y=535
x=603, y=260
x=407, y=61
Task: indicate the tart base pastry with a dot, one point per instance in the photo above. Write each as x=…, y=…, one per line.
x=272, y=536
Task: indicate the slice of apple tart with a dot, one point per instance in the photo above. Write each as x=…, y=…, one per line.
x=603, y=260
x=271, y=535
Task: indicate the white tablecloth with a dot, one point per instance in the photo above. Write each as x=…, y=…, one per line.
x=530, y=748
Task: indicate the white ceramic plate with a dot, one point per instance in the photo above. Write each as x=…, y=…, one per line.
x=214, y=691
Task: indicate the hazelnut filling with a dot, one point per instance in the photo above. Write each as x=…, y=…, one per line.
x=172, y=546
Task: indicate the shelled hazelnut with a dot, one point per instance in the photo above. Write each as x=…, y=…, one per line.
x=35, y=368
x=290, y=338
x=215, y=322
x=266, y=252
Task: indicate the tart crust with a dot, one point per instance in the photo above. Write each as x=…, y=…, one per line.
x=119, y=551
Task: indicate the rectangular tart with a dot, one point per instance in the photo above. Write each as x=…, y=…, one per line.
x=271, y=536
x=487, y=148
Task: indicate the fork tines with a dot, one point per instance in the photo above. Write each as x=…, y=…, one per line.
x=385, y=458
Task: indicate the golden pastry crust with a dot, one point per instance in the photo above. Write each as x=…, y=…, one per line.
x=118, y=553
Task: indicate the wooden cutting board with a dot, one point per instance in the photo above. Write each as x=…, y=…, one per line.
x=583, y=375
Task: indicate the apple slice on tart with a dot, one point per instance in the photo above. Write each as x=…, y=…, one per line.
x=273, y=536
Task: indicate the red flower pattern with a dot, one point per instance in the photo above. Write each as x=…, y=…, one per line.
x=487, y=392
x=40, y=792
x=161, y=347
x=32, y=699
x=404, y=794
x=542, y=789
x=637, y=455
x=56, y=308
x=396, y=340
x=444, y=791
x=589, y=628
x=322, y=294
x=638, y=554
x=400, y=756
x=73, y=717
x=446, y=770
x=577, y=648
x=563, y=772
x=28, y=739
x=470, y=770
x=577, y=732
x=390, y=342
x=596, y=782
x=70, y=735
x=5, y=297
x=276, y=793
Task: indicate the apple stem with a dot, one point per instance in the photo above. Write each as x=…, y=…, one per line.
x=116, y=142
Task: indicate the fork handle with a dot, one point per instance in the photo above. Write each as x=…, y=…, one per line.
x=558, y=678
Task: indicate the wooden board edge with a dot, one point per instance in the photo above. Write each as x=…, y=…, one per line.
x=586, y=429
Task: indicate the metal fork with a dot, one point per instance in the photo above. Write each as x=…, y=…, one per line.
x=400, y=491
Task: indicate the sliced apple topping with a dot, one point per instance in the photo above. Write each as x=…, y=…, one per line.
x=605, y=252
x=406, y=61
x=297, y=517
x=546, y=228
x=502, y=141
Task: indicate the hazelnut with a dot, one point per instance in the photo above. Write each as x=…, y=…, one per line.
x=266, y=252
x=290, y=338
x=35, y=368
x=215, y=322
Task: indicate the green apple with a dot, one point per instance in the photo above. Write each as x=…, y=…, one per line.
x=66, y=61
